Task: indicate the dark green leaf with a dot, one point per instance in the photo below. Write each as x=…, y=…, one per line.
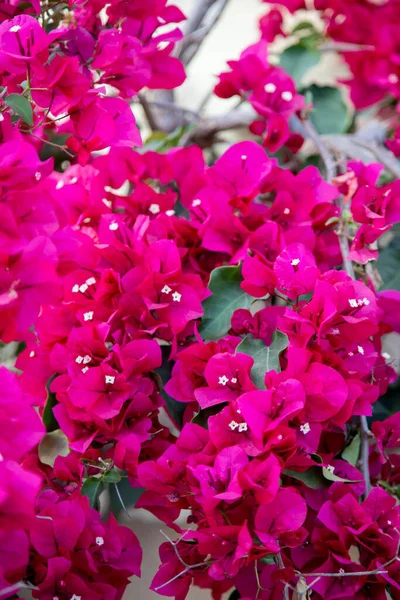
x=112, y=476
x=351, y=453
x=329, y=114
x=92, y=488
x=227, y=296
x=297, y=60
x=202, y=417
x=266, y=358
x=312, y=478
x=389, y=265
x=234, y=595
x=49, y=420
x=21, y=107
x=174, y=408
x=268, y=560
x=52, y=445
x=162, y=142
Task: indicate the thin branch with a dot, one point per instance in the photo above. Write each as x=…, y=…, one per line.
x=52, y=144
x=121, y=501
x=208, y=128
x=193, y=41
x=365, y=435
x=344, y=47
x=280, y=565
x=384, y=156
x=151, y=119
x=307, y=129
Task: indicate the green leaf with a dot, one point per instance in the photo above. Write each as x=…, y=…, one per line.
x=297, y=60
x=389, y=265
x=351, y=453
x=92, y=488
x=174, y=408
x=227, y=296
x=332, y=477
x=112, y=476
x=52, y=445
x=234, y=595
x=312, y=478
x=265, y=357
x=159, y=141
x=49, y=420
x=21, y=107
x=202, y=417
x=329, y=114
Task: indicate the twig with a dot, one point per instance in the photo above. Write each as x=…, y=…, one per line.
x=308, y=130
x=187, y=567
x=208, y=128
x=15, y=587
x=194, y=40
x=377, y=571
x=365, y=435
x=280, y=565
x=121, y=501
x=344, y=47
x=51, y=144
x=384, y=156
x=148, y=112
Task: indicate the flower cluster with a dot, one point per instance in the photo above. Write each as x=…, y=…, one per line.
x=152, y=292
x=269, y=90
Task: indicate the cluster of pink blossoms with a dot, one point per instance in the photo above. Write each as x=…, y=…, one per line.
x=121, y=263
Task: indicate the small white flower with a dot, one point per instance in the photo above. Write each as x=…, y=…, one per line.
x=389, y=522
x=287, y=96
x=341, y=570
x=85, y=370
x=31, y=354
x=361, y=349
x=113, y=226
x=239, y=412
x=233, y=425
x=86, y=359
x=234, y=380
x=286, y=211
x=393, y=78
x=270, y=88
x=176, y=297
x=60, y=184
x=280, y=437
x=73, y=180
x=386, y=355
x=99, y=541
x=330, y=468
x=244, y=157
x=223, y=380
x=38, y=176
x=88, y=316
x=110, y=378
x=154, y=209
x=166, y=289
x=79, y=360
x=87, y=220
x=353, y=302
x=366, y=302
x=196, y=202
x=351, y=354
x=334, y=331
x=75, y=597
x=305, y=428
x=56, y=598
x=170, y=213
x=242, y=427
x=90, y=281
x=75, y=289
x=107, y=202
x=295, y=262
x=83, y=287
x=15, y=28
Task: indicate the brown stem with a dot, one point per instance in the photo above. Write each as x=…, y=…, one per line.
x=148, y=112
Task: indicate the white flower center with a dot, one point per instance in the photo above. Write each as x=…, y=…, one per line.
x=270, y=88
x=295, y=262
x=223, y=380
x=287, y=96
x=154, y=209
x=242, y=427
x=196, y=202
x=176, y=297
x=305, y=428
x=110, y=378
x=233, y=425
x=88, y=316
x=99, y=541
x=113, y=226
x=166, y=289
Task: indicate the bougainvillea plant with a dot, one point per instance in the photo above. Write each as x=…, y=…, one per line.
x=196, y=328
